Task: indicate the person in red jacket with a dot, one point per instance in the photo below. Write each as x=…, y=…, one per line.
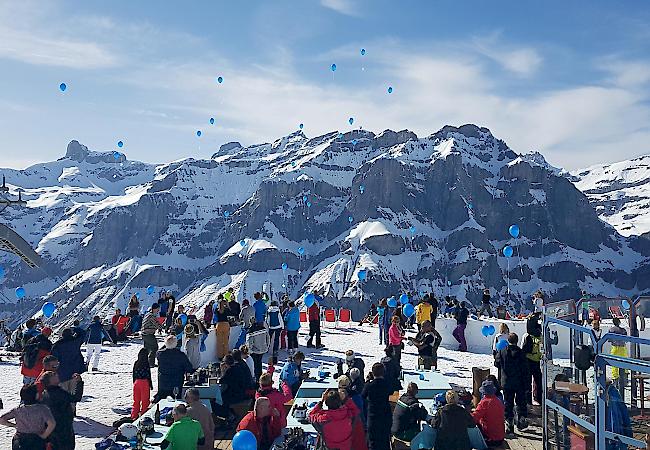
x=38, y=348
x=277, y=398
x=489, y=415
x=313, y=315
x=263, y=422
x=335, y=424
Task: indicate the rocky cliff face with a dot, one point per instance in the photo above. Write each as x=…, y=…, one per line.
x=418, y=214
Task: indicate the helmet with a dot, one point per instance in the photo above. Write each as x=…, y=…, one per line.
x=128, y=430
x=146, y=425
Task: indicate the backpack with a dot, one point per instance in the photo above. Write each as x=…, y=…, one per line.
x=29, y=355
x=274, y=319
x=535, y=353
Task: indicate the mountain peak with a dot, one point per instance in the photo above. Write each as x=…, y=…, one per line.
x=76, y=151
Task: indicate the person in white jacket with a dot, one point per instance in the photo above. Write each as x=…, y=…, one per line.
x=504, y=331
x=275, y=324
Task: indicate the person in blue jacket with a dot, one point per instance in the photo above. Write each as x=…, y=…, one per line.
x=383, y=319
x=292, y=323
x=95, y=335
x=259, y=305
x=291, y=375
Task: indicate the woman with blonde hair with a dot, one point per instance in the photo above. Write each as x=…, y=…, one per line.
x=504, y=332
x=222, y=328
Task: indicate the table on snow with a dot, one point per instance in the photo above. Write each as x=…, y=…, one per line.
x=153, y=440
x=430, y=383
x=310, y=392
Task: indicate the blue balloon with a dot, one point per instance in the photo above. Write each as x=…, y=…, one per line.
x=362, y=188
x=449, y=283
x=2, y=271
x=242, y=242
x=362, y=275
x=390, y=89
x=48, y=309
x=308, y=204
x=150, y=289
x=244, y=440
x=470, y=205
x=63, y=87
x=284, y=266
x=404, y=299
x=340, y=136
x=183, y=318
x=309, y=299
x=120, y=144
x=333, y=67
x=304, y=198
x=117, y=155
x=363, y=51
x=211, y=120
x=408, y=310
x=219, y=80
x=392, y=302
x=301, y=126
x=301, y=250
x=137, y=295
x=351, y=120
x=502, y=344
x=350, y=219
x=507, y=251
x=625, y=304
x=226, y=214
x=293, y=164
x=514, y=231
x=491, y=330
x=485, y=331
x=198, y=133
x=412, y=229
x=354, y=142
x=20, y=292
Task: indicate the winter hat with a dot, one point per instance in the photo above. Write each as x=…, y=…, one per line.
x=343, y=381
x=170, y=341
x=355, y=373
x=46, y=331
x=487, y=388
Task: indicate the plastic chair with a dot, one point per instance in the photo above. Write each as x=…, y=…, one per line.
x=330, y=316
x=345, y=316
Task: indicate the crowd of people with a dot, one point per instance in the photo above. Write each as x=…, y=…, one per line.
x=358, y=414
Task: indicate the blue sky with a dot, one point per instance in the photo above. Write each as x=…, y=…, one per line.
x=570, y=79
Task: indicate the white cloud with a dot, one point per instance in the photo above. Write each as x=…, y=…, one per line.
x=346, y=7
x=523, y=61
x=37, y=49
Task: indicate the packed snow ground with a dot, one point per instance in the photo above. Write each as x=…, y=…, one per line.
x=108, y=393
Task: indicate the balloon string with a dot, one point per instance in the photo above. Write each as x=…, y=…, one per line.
x=518, y=257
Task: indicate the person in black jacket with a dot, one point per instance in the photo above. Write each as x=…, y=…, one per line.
x=61, y=404
x=391, y=369
x=461, y=314
x=407, y=415
x=232, y=389
x=351, y=361
x=433, y=301
x=532, y=348
x=451, y=423
x=71, y=361
x=375, y=395
x=173, y=364
x=514, y=373
x=241, y=368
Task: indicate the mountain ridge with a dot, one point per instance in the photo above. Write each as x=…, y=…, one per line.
x=424, y=212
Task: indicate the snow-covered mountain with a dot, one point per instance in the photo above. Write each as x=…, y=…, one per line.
x=418, y=214
x=620, y=192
